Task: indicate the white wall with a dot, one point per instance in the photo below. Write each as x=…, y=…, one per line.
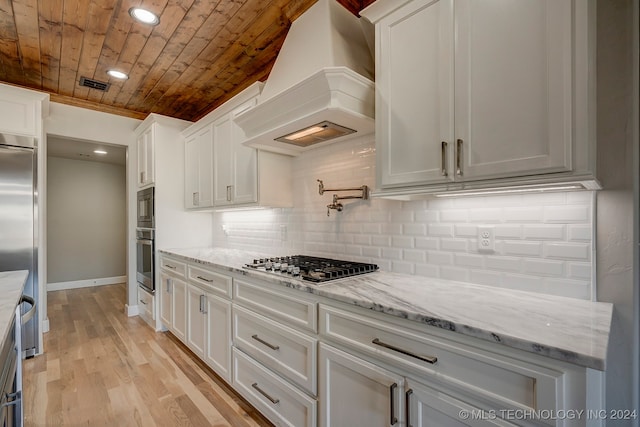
x=543, y=242
x=86, y=220
x=617, y=141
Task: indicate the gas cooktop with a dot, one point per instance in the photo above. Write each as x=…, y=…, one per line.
x=310, y=268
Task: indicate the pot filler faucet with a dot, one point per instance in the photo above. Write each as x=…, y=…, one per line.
x=335, y=204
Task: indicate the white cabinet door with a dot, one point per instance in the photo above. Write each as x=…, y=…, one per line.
x=166, y=297
x=218, y=344
x=146, y=169
x=513, y=86
x=426, y=407
x=222, y=161
x=235, y=166
x=196, y=319
x=199, y=169
x=414, y=104
x=179, y=308
x=357, y=393
x=245, y=163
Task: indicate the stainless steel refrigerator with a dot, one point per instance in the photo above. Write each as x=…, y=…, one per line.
x=18, y=222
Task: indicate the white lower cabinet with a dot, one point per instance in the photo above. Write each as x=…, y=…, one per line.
x=218, y=344
x=357, y=393
x=197, y=319
x=179, y=308
x=147, y=304
x=282, y=403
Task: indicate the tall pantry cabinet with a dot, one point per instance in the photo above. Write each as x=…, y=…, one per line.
x=162, y=149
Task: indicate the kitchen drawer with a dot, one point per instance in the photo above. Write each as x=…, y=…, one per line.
x=278, y=304
x=215, y=282
x=509, y=382
x=285, y=350
x=176, y=267
x=279, y=401
x=145, y=306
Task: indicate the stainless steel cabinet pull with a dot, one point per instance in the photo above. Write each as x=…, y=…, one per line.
x=141, y=177
x=228, y=193
x=429, y=359
x=143, y=302
x=407, y=407
x=203, y=304
x=170, y=266
x=443, y=159
x=392, y=418
x=459, y=157
x=264, y=393
x=168, y=286
x=204, y=278
x=260, y=340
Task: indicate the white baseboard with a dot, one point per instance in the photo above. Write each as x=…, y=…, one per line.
x=59, y=286
x=131, y=310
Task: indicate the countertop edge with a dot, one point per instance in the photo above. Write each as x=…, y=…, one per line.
x=519, y=343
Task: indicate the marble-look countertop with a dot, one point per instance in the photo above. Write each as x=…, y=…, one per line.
x=11, y=286
x=567, y=329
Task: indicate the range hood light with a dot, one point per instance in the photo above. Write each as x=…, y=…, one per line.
x=315, y=134
x=303, y=133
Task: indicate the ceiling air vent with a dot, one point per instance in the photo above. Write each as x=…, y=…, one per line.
x=94, y=84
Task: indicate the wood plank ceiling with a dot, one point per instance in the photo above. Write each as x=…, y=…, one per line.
x=201, y=54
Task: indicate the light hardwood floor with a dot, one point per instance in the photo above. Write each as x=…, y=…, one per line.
x=102, y=368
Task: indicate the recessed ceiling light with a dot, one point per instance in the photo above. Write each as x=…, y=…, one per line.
x=118, y=74
x=102, y=152
x=144, y=16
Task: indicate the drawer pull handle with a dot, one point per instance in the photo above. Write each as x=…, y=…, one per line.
x=205, y=279
x=443, y=159
x=429, y=359
x=264, y=393
x=143, y=302
x=170, y=266
x=392, y=420
x=459, y=143
x=260, y=340
x=407, y=408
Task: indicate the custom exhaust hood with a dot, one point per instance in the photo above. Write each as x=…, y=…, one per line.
x=320, y=89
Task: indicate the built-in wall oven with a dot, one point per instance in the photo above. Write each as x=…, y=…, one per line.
x=145, y=258
x=145, y=239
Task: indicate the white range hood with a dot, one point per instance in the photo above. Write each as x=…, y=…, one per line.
x=320, y=89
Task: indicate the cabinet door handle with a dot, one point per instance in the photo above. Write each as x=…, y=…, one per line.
x=205, y=279
x=168, y=286
x=196, y=200
x=261, y=341
x=203, y=306
x=429, y=359
x=228, y=193
x=141, y=177
x=392, y=418
x=143, y=302
x=407, y=407
x=173, y=267
x=443, y=159
x=459, y=157
x=264, y=393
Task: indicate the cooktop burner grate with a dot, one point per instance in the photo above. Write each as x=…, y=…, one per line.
x=313, y=269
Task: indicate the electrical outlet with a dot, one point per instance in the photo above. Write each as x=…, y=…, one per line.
x=486, y=242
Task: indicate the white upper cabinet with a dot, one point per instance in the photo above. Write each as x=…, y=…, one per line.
x=221, y=172
x=22, y=111
x=146, y=169
x=199, y=168
x=482, y=92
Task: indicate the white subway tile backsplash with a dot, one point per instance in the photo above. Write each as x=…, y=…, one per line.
x=522, y=248
x=573, y=251
x=544, y=231
x=442, y=230
x=544, y=242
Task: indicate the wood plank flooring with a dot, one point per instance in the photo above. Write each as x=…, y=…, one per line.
x=102, y=368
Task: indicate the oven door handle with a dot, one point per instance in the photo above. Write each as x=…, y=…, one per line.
x=29, y=313
x=145, y=241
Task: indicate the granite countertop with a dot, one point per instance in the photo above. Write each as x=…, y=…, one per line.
x=567, y=329
x=11, y=286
